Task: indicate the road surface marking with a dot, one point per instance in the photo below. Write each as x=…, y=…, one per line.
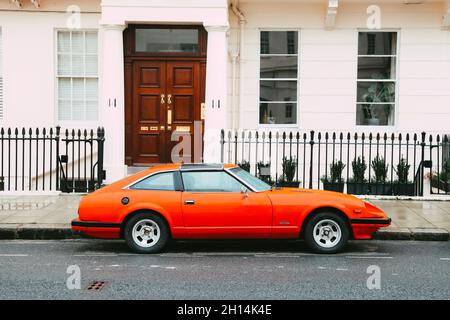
x=341, y=269
x=368, y=257
x=445, y=259
x=13, y=255
x=95, y=255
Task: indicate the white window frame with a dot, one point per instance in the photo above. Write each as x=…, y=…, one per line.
x=297, y=103
x=72, y=122
x=388, y=128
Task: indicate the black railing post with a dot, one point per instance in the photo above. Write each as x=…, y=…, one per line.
x=101, y=174
x=222, y=143
x=311, y=143
x=422, y=145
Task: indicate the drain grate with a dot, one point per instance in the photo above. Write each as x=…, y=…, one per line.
x=96, y=286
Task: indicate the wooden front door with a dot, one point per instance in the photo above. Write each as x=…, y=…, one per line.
x=166, y=98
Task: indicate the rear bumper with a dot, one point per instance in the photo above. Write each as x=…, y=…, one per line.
x=105, y=230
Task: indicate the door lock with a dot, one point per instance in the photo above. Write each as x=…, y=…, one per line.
x=163, y=98
x=169, y=99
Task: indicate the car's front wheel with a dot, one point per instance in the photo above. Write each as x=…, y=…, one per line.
x=146, y=233
x=326, y=232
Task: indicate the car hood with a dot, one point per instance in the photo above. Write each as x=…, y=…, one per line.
x=312, y=197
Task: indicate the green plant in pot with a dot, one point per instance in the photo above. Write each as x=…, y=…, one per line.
x=378, y=93
x=264, y=171
x=334, y=182
x=380, y=169
x=289, y=166
x=402, y=186
x=442, y=181
x=358, y=183
x=245, y=165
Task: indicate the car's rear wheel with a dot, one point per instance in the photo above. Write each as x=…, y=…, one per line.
x=146, y=233
x=326, y=232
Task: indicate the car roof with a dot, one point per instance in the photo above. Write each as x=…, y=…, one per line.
x=192, y=166
x=200, y=166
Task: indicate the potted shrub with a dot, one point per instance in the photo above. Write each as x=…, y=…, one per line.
x=358, y=184
x=287, y=178
x=334, y=182
x=264, y=171
x=245, y=165
x=379, y=186
x=403, y=187
x=443, y=180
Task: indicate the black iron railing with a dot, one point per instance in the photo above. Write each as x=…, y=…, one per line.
x=45, y=160
x=316, y=156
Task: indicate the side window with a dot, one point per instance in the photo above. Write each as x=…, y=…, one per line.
x=210, y=181
x=159, y=181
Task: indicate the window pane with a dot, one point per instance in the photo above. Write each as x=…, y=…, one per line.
x=64, y=110
x=375, y=115
x=64, y=89
x=78, y=110
x=282, y=90
x=91, y=42
x=166, y=40
x=91, y=89
x=376, y=92
x=377, y=43
x=161, y=181
x=77, y=42
x=78, y=89
x=277, y=113
x=64, y=64
x=278, y=42
x=376, y=68
x=77, y=65
x=63, y=42
x=91, y=65
x=273, y=67
x=210, y=181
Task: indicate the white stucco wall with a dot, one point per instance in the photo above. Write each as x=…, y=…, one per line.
x=29, y=59
x=328, y=63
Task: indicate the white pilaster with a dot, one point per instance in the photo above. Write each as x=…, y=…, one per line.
x=216, y=91
x=112, y=101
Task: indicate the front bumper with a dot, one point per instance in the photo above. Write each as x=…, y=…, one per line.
x=375, y=221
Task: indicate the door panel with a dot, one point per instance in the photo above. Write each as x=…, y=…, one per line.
x=149, y=116
x=227, y=215
x=183, y=83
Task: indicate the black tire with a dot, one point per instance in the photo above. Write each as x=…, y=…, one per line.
x=320, y=247
x=158, y=246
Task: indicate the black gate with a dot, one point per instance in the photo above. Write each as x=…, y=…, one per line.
x=45, y=160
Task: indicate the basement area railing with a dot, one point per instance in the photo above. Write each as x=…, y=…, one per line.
x=355, y=163
x=51, y=160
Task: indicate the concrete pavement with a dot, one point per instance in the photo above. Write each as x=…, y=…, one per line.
x=49, y=217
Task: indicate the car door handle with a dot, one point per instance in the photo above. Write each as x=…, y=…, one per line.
x=189, y=202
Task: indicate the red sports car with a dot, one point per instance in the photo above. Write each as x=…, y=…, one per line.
x=201, y=201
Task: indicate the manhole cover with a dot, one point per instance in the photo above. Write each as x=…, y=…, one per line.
x=96, y=286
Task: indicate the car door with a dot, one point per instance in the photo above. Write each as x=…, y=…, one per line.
x=216, y=205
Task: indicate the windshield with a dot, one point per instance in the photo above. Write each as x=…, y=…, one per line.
x=257, y=184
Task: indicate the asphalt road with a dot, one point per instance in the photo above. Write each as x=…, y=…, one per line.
x=224, y=270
